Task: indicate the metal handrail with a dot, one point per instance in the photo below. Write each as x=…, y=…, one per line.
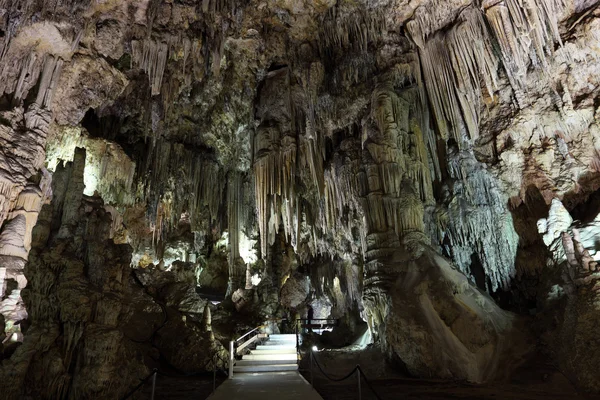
x=233, y=343
x=260, y=326
x=248, y=333
x=298, y=324
x=334, y=320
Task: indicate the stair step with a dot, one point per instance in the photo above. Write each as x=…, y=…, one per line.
x=283, y=337
x=282, y=351
x=278, y=357
x=288, y=344
x=274, y=347
x=266, y=368
x=245, y=363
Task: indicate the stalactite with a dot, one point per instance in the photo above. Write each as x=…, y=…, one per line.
x=151, y=56
x=235, y=200
x=30, y=72
x=49, y=80
x=526, y=32
x=478, y=222
x=454, y=62
x=181, y=179
x=275, y=175
x=340, y=31
x=312, y=142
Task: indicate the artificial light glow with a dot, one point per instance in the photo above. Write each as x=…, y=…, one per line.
x=336, y=283
x=255, y=279
x=247, y=249
x=314, y=348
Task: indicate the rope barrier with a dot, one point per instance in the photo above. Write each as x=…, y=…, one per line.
x=357, y=368
x=128, y=395
x=180, y=375
x=329, y=377
x=368, y=382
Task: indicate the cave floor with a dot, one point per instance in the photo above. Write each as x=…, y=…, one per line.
x=179, y=388
x=389, y=389
x=536, y=379
x=261, y=386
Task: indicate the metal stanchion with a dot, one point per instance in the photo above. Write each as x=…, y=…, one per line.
x=359, y=391
x=231, y=358
x=312, y=379
x=153, y=383
x=214, y=372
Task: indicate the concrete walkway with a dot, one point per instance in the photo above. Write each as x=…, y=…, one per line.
x=266, y=386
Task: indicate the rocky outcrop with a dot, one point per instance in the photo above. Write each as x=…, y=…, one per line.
x=93, y=328
x=569, y=303
x=282, y=152
x=438, y=324
x=78, y=297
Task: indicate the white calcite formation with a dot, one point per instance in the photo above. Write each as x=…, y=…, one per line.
x=410, y=162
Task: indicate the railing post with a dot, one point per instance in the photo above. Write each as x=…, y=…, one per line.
x=297, y=341
x=359, y=391
x=153, y=383
x=312, y=379
x=231, y=358
x=215, y=372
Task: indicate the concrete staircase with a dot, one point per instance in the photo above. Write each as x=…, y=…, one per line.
x=276, y=354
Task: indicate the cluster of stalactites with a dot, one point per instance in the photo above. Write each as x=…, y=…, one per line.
x=182, y=180
x=457, y=60
x=235, y=202
x=212, y=7
x=21, y=71
x=341, y=216
x=152, y=55
x=386, y=190
x=395, y=179
x=526, y=32
x=479, y=222
x=454, y=63
x=276, y=203
x=343, y=31
x=312, y=142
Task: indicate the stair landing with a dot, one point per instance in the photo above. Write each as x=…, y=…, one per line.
x=265, y=386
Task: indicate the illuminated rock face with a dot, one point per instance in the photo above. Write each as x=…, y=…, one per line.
x=299, y=152
x=89, y=319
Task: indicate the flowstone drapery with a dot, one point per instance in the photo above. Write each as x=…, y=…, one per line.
x=276, y=155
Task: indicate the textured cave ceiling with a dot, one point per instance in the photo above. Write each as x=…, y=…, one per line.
x=430, y=167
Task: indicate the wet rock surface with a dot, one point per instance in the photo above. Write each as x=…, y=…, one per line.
x=429, y=168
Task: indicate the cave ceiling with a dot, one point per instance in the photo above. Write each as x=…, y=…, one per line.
x=435, y=156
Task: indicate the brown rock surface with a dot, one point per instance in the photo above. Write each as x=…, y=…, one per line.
x=278, y=152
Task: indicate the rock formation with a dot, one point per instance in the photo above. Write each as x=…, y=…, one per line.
x=428, y=167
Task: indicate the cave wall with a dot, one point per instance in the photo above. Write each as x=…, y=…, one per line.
x=236, y=143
